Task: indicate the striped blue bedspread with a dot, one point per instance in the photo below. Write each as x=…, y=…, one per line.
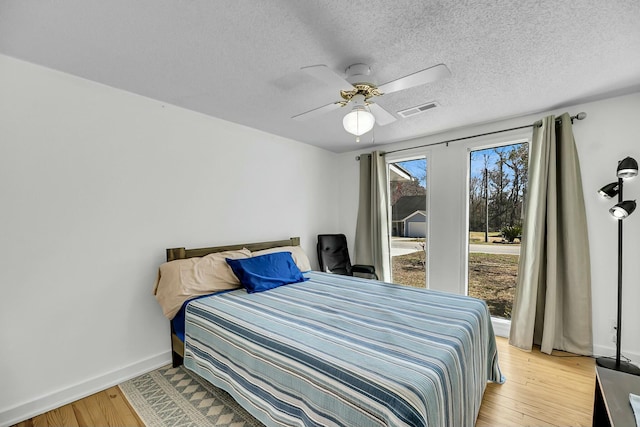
x=338, y=350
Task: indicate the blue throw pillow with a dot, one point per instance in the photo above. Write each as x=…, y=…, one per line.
x=266, y=272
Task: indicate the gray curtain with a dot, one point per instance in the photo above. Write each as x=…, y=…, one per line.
x=372, y=229
x=552, y=306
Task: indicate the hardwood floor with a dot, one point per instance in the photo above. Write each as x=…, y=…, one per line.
x=105, y=408
x=540, y=390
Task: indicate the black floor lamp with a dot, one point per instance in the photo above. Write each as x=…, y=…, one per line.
x=627, y=169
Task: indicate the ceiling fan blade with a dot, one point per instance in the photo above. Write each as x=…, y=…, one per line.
x=327, y=75
x=383, y=117
x=317, y=111
x=428, y=75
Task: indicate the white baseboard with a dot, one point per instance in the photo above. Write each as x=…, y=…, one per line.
x=86, y=388
x=501, y=327
x=610, y=351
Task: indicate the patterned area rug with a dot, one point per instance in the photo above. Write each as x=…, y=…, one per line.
x=174, y=397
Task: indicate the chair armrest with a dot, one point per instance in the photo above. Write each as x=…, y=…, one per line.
x=366, y=269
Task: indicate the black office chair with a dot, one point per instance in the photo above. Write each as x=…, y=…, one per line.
x=333, y=256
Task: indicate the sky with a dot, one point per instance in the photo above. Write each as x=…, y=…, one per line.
x=477, y=158
x=417, y=167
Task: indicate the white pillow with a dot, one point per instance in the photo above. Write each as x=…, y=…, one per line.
x=183, y=279
x=297, y=253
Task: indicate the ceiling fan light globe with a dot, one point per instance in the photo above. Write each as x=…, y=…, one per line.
x=358, y=121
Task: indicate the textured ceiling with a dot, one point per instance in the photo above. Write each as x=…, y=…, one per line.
x=240, y=60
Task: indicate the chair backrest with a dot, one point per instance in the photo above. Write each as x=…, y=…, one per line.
x=333, y=254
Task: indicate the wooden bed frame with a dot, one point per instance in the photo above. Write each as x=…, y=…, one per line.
x=177, y=346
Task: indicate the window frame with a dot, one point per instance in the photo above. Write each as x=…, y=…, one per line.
x=407, y=155
x=501, y=326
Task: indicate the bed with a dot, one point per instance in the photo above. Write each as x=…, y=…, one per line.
x=338, y=350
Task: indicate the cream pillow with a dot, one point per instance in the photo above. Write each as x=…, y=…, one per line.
x=297, y=253
x=183, y=279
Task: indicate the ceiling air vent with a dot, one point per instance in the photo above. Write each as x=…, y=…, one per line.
x=418, y=109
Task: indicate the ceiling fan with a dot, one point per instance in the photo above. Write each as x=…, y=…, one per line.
x=357, y=91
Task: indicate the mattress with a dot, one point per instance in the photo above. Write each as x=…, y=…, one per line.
x=338, y=350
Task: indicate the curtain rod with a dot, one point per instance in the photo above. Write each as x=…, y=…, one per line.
x=579, y=116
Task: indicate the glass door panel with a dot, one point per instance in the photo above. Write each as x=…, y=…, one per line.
x=497, y=186
x=408, y=222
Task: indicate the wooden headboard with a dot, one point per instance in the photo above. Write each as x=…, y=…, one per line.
x=177, y=346
x=182, y=253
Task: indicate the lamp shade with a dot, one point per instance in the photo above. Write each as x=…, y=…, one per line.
x=623, y=209
x=358, y=121
x=627, y=168
x=609, y=190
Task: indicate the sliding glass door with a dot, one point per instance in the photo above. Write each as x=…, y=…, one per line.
x=408, y=221
x=497, y=187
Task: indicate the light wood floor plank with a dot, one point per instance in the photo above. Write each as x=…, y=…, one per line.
x=540, y=390
x=496, y=415
x=546, y=390
x=82, y=412
x=547, y=413
x=110, y=412
x=536, y=422
x=96, y=409
x=63, y=416
x=126, y=412
x=40, y=421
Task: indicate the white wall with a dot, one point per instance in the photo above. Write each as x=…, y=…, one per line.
x=609, y=133
x=94, y=184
